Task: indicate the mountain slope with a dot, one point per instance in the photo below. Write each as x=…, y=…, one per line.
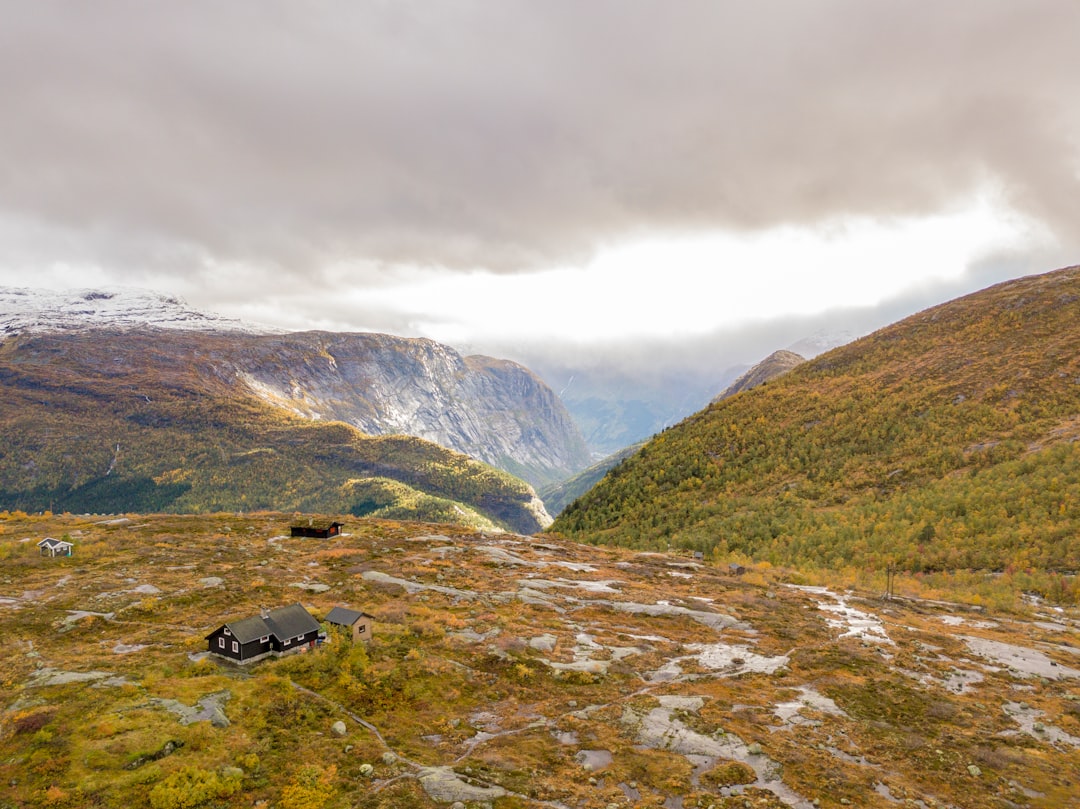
x=558, y=496
x=945, y=441
x=777, y=363
x=493, y=410
x=153, y=421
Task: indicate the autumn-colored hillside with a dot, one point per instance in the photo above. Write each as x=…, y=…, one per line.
x=944, y=442
x=508, y=672
x=140, y=429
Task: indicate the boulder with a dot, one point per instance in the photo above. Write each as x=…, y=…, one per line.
x=444, y=785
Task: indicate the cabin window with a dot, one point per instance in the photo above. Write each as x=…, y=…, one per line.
x=360, y=629
x=264, y=639
x=287, y=642
x=235, y=647
x=221, y=643
x=227, y=632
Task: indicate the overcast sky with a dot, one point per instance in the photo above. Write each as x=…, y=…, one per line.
x=538, y=176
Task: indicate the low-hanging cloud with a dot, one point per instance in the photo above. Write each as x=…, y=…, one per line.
x=321, y=138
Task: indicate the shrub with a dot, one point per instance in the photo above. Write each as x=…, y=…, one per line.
x=191, y=787
x=31, y=722
x=729, y=773
x=311, y=788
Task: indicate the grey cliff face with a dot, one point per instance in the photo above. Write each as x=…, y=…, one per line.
x=493, y=410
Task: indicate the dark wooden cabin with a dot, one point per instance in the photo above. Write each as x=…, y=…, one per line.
x=317, y=529
x=277, y=631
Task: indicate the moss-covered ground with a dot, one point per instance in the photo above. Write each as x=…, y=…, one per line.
x=527, y=671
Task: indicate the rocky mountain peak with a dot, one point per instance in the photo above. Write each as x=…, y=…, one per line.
x=777, y=363
x=494, y=410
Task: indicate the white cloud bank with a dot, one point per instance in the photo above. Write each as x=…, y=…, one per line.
x=626, y=171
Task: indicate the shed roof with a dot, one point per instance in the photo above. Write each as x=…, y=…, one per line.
x=52, y=542
x=320, y=524
x=343, y=616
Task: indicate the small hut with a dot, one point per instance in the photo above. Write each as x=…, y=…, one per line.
x=55, y=547
x=316, y=529
x=358, y=622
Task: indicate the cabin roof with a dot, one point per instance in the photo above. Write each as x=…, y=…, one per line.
x=52, y=542
x=319, y=524
x=343, y=616
x=283, y=622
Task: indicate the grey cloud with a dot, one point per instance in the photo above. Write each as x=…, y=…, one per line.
x=703, y=365
x=512, y=135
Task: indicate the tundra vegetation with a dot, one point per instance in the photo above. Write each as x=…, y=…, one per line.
x=510, y=671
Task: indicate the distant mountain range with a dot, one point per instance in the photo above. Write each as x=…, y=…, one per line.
x=46, y=310
x=107, y=392
x=493, y=410
x=948, y=440
x=615, y=408
x=621, y=403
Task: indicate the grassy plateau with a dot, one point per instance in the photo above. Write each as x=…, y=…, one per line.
x=509, y=671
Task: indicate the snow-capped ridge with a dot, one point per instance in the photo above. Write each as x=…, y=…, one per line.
x=25, y=310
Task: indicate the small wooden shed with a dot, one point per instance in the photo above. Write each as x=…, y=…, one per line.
x=317, y=529
x=55, y=547
x=359, y=622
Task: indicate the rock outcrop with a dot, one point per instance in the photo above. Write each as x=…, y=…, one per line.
x=494, y=410
x=777, y=363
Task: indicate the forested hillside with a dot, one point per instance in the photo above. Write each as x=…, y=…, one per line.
x=560, y=495
x=946, y=441
x=84, y=432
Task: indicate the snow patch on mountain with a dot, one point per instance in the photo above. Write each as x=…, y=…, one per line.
x=44, y=310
